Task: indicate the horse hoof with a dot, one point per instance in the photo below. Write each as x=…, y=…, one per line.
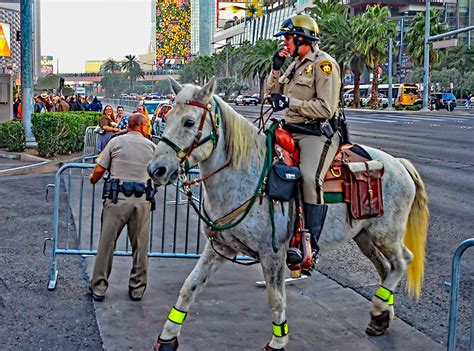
x=166, y=345
x=269, y=348
x=378, y=324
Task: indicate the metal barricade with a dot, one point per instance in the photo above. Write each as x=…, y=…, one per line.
x=175, y=229
x=453, y=307
x=90, y=144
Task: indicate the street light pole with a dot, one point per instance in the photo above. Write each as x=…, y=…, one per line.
x=426, y=66
x=390, y=64
x=26, y=20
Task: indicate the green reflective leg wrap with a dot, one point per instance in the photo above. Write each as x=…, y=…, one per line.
x=385, y=295
x=176, y=316
x=280, y=330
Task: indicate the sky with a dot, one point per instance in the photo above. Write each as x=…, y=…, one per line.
x=75, y=31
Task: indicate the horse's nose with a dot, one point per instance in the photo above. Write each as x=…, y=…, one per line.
x=156, y=172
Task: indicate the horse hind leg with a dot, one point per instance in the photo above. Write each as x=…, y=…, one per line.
x=382, y=303
x=206, y=266
x=370, y=251
x=274, y=273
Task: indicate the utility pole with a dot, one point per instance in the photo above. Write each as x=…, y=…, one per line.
x=400, y=57
x=390, y=64
x=26, y=19
x=426, y=66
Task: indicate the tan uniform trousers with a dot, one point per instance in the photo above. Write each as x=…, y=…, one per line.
x=316, y=155
x=135, y=213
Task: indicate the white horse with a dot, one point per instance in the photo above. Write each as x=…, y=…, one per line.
x=233, y=159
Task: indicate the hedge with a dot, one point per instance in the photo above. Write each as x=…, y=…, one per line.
x=61, y=132
x=12, y=136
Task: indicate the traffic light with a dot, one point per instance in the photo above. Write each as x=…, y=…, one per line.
x=18, y=35
x=398, y=68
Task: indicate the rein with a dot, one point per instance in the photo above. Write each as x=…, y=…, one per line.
x=230, y=220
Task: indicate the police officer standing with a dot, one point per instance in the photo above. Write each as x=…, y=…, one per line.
x=128, y=195
x=308, y=91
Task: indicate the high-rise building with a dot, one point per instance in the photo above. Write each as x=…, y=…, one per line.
x=203, y=14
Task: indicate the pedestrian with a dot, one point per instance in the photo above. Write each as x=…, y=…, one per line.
x=127, y=202
x=308, y=92
x=86, y=103
x=122, y=120
x=16, y=103
x=39, y=106
x=108, y=127
x=96, y=105
x=63, y=106
x=143, y=110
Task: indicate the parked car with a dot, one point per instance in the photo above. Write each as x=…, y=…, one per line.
x=152, y=105
x=382, y=100
x=443, y=101
x=246, y=100
x=159, y=118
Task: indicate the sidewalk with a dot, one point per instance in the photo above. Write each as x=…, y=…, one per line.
x=232, y=312
x=456, y=112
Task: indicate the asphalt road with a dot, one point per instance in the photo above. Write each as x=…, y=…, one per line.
x=441, y=145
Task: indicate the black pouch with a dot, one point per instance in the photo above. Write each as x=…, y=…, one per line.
x=326, y=129
x=106, y=190
x=139, y=189
x=128, y=188
x=282, y=181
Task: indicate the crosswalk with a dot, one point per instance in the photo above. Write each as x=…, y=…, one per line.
x=394, y=118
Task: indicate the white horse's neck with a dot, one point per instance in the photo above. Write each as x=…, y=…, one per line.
x=229, y=188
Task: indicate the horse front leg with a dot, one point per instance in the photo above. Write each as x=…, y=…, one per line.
x=274, y=273
x=206, y=266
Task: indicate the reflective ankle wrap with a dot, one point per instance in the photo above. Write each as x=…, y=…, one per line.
x=176, y=316
x=280, y=330
x=385, y=295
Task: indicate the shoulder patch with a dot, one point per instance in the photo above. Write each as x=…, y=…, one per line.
x=325, y=67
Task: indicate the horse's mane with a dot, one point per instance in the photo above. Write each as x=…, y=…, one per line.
x=242, y=139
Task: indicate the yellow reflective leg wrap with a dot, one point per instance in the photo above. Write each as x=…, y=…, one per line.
x=280, y=330
x=176, y=316
x=385, y=295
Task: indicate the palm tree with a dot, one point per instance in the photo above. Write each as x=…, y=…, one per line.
x=338, y=39
x=258, y=61
x=323, y=9
x=415, y=36
x=132, y=67
x=110, y=66
x=372, y=33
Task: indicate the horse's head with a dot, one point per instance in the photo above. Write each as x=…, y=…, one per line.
x=189, y=127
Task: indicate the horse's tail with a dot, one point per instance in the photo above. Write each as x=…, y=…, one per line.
x=416, y=232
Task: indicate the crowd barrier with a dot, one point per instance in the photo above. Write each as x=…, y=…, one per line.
x=453, y=306
x=175, y=229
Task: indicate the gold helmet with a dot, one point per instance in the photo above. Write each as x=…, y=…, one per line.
x=303, y=25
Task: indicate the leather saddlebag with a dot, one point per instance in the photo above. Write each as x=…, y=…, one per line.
x=363, y=189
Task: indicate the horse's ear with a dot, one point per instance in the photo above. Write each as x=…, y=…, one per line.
x=175, y=86
x=206, y=92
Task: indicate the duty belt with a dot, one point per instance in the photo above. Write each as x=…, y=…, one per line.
x=112, y=187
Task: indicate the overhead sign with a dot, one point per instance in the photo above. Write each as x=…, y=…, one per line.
x=5, y=39
x=46, y=65
x=445, y=43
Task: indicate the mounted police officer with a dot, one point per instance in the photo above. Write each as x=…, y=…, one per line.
x=308, y=91
x=128, y=198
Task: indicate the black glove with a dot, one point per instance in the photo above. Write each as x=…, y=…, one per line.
x=278, y=61
x=279, y=102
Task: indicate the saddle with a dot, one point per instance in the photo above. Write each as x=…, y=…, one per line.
x=353, y=178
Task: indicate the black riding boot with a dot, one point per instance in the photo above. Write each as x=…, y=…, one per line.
x=314, y=216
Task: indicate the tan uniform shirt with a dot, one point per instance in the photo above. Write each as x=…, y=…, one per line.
x=314, y=89
x=127, y=157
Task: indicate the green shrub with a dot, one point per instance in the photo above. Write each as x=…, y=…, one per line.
x=12, y=136
x=413, y=108
x=61, y=132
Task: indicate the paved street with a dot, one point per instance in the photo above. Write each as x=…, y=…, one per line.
x=440, y=144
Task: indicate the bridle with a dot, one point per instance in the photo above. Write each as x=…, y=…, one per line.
x=183, y=154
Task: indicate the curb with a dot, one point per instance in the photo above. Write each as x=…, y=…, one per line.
x=20, y=156
x=39, y=165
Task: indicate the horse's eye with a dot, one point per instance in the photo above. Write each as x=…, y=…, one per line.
x=189, y=122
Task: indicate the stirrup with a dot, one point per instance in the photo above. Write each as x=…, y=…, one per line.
x=294, y=256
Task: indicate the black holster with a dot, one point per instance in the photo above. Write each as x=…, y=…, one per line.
x=114, y=190
x=150, y=192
